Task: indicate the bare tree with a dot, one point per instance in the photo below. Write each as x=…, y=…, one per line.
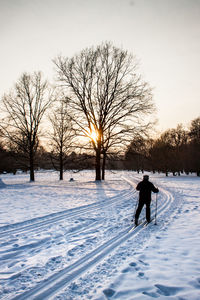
x=195, y=130
x=24, y=108
x=137, y=154
x=176, y=139
x=168, y=152
x=106, y=96
x=61, y=137
x=194, y=145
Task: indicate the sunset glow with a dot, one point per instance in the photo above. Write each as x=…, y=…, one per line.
x=93, y=135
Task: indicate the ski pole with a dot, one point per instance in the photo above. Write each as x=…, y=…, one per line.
x=156, y=209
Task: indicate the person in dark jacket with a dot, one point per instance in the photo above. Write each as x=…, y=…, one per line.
x=145, y=188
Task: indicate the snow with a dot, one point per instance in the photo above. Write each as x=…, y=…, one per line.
x=72, y=239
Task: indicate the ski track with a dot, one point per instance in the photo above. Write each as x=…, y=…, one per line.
x=38, y=223
x=35, y=226
x=12, y=253
x=61, y=277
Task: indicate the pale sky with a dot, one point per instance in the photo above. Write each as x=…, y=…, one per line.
x=163, y=34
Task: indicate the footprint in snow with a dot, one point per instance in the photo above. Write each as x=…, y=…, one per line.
x=109, y=292
x=133, y=264
x=126, y=270
x=141, y=274
x=168, y=290
x=151, y=294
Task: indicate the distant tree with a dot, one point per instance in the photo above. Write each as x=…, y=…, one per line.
x=137, y=154
x=194, y=132
x=194, y=145
x=176, y=139
x=179, y=139
x=42, y=158
x=24, y=108
x=62, y=136
x=168, y=152
x=108, y=100
x=161, y=154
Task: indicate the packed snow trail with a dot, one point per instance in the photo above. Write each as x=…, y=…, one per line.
x=48, y=259
x=37, y=248
x=57, y=281
x=167, y=265
x=40, y=223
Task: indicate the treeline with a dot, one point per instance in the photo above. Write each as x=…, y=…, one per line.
x=176, y=151
x=13, y=161
x=96, y=115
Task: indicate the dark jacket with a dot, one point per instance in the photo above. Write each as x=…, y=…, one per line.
x=146, y=187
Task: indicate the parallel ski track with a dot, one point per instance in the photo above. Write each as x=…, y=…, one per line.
x=41, y=222
x=52, y=285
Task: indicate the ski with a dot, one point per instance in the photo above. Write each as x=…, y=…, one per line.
x=145, y=225
x=134, y=226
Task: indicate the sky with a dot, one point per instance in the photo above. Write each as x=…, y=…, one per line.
x=164, y=35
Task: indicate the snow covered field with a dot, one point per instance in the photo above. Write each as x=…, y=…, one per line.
x=72, y=239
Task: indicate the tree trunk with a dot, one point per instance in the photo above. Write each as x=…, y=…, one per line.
x=98, y=162
x=61, y=166
x=103, y=166
x=31, y=160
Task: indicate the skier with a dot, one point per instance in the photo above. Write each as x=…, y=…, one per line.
x=145, y=188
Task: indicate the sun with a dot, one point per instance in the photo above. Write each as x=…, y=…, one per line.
x=93, y=135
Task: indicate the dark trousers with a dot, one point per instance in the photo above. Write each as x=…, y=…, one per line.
x=148, y=210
